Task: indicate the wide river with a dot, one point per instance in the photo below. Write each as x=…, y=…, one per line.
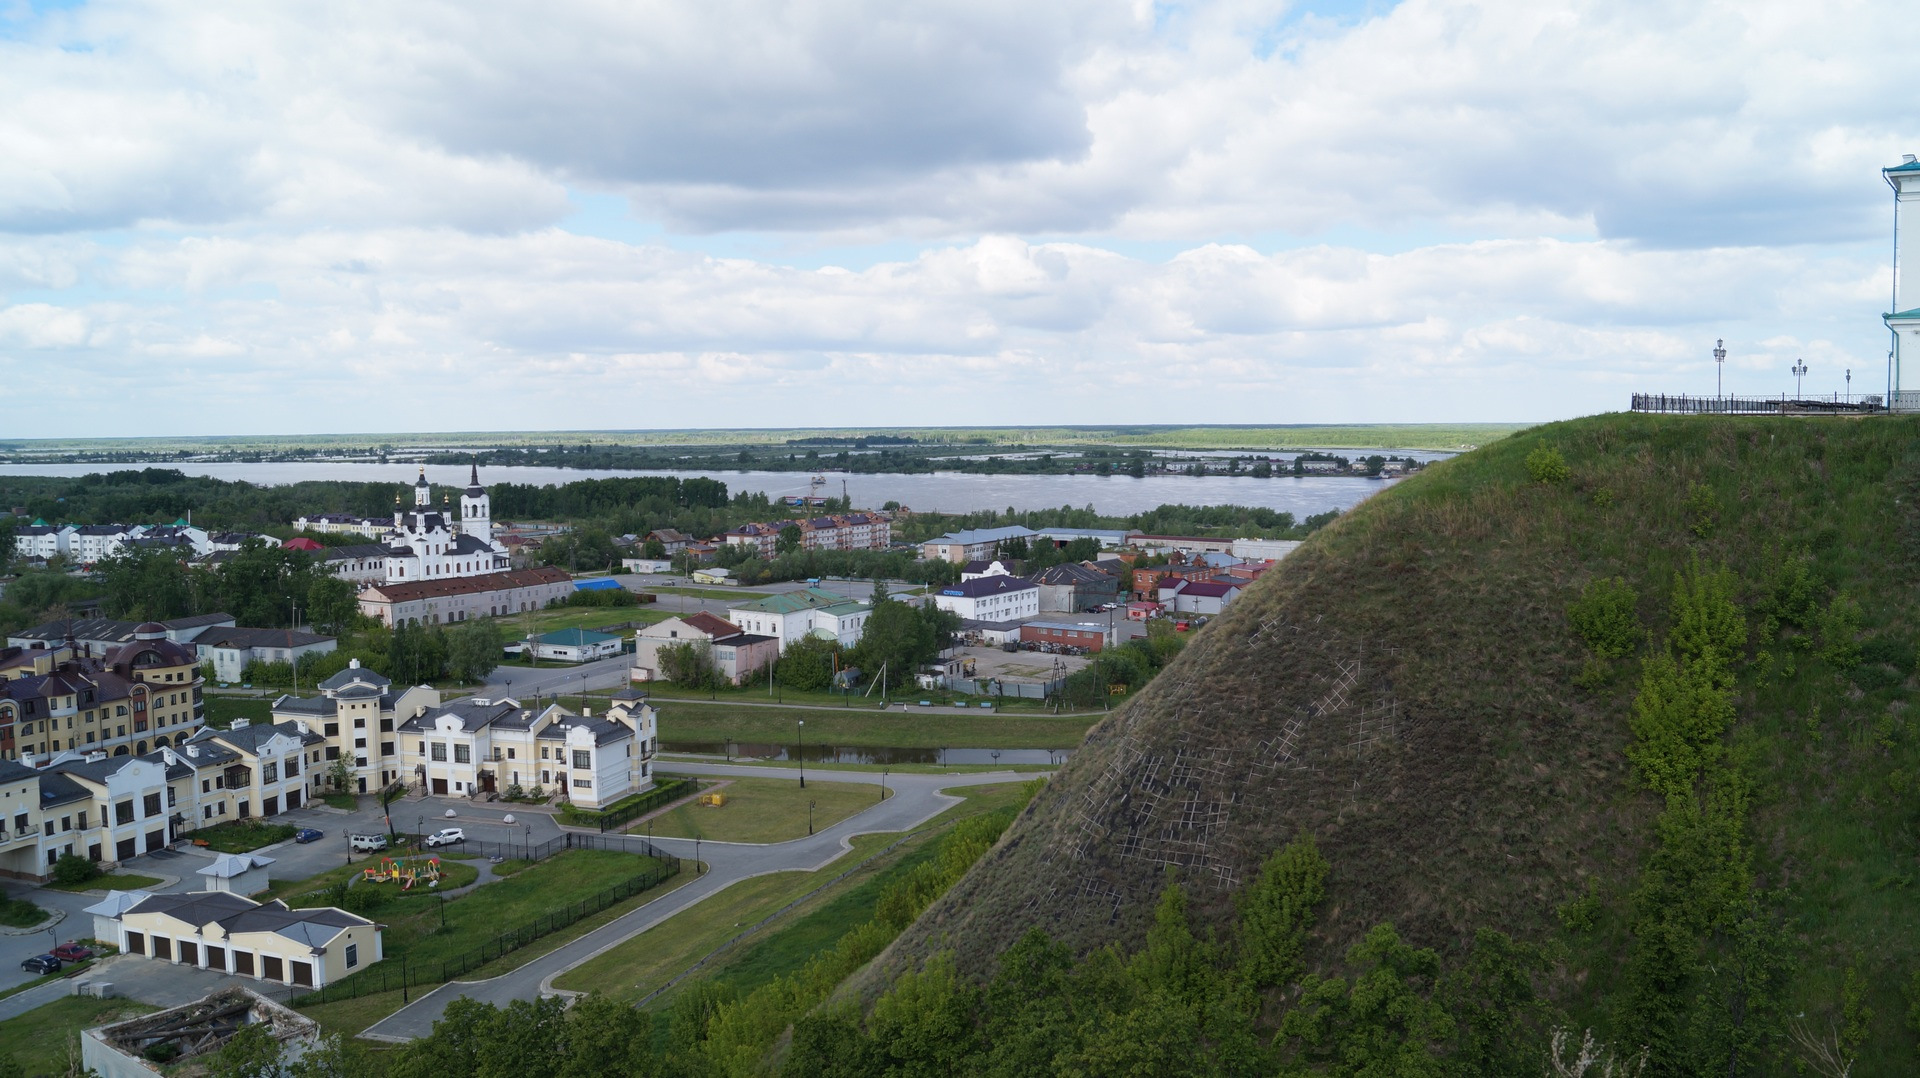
x=951, y=492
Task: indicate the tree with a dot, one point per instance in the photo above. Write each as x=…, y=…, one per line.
x=252, y=1052
x=788, y=540
x=146, y=585
x=1276, y=911
x=474, y=648
x=689, y=665
x=808, y=663
x=897, y=638
x=331, y=605
x=653, y=550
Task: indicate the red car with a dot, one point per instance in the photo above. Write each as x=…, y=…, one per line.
x=72, y=952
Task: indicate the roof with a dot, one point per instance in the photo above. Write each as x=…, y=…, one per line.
x=602, y=583
x=1071, y=626
x=235, y=913
x=793, y=601
x=117, y=903
x=988, y=585
x=472, y=712
x=355, y=673
x=301, y=542
x=603, y=730
x=258, y=638
x=354, y=552
x=574, y=638
x=712, y=624
x=469, y=585
x=228, y=865
x=983, y=535
x=1909, y=165
x=1209, y=589
x=1070, y=573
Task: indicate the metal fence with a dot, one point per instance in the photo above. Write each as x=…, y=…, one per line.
x=614, y=816
x=390, y=976
x=1684, y=404
x=540, y=851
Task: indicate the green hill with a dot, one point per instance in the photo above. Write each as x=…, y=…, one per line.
x=1410, y=690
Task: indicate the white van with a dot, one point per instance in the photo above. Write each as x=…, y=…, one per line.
x=367, y=843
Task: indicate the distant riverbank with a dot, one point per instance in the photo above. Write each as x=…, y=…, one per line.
x=948, y=492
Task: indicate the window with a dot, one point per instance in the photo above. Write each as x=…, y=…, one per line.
x=123, y=811
x=152, y=804
x=583, y=782
x=439, y=752
x=420, y=747
x=462, y=754
x=510, y=754
x=543, y=752
x=582, y=758
x=20, y=822
x=270, y=772
x=353, y=955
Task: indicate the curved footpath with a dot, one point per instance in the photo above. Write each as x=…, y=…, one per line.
x=915, y=800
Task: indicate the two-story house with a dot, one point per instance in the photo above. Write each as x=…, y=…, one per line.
x=355, y=715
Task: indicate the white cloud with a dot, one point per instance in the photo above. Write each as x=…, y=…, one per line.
x=1490, y=206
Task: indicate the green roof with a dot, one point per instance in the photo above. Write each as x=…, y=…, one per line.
x=575, y=638
x=1909, y=166
x=794, y=601
x=1914, y=313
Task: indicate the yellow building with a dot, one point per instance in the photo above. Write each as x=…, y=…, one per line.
x=145, y=694
x=228, y=933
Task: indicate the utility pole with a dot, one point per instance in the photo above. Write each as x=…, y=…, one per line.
x=1719, y=367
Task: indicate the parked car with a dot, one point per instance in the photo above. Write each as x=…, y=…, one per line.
x=367, y=843
x=41, y=963
x=446, y=836
x=73, y=952
x=307, y=834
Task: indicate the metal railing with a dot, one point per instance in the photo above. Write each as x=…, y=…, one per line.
x=1687, y=404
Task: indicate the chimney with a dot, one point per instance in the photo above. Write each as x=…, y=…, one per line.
x=96, y=757
x=26, y=760
x=1906, y=159
x=300, y=725
x=586, y=713
x=419, y=710
x=241, y=724
x=193, y=751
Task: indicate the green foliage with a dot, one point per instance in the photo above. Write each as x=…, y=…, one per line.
x=1547, y=465
x=1386, y=1021
x=808, y=664
x=20, y=913
x=332, y=605
x=1789, y=594
x=1578, y=913
x=1856, y=1016
x=600, y=598
x=690, y=665
x=1678, y=718
x=1840, y=633
x=251, y=1052
x=1703, y=510
x=474, y=648
x=1707, y=622
x=902, y=637
x=1276, y=911
x=1607, y=617
x=583, y=550
x=72, y=868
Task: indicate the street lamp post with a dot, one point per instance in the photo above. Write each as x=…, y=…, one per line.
x=1799, y=370
x=809, y=816
x=996, y=757
x=883, y=784
x=1849, y=385
x=1719, y=366
x=526, y=847
x=801, y=727
x=697, y=870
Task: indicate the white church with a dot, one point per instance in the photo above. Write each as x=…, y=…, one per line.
x=428, y=544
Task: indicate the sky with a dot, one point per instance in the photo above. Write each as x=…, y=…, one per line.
x=244, y=218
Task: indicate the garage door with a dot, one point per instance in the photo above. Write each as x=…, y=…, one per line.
x=270, y=968
x=293, y=800
x=136, y=943
x=189, y=952
x=440, y=786
x=156, y=840
x=163, y=948
x=216, y=957
x=303, y=974
x=125, y=849
x=243, y=963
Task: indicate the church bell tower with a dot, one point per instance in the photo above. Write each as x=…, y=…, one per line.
x=476, y=509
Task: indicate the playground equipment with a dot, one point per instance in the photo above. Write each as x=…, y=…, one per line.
x=716, y=799
x=406, y=872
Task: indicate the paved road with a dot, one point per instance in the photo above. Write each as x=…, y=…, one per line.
x=915, y=799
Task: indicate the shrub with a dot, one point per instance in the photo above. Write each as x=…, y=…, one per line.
x=1839, y=625
x=72, y=868
x=1703, y=510
x=1606, y=617
x=1546, y=465
x=1579, y=912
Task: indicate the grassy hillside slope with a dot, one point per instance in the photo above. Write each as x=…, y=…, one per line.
x=1404, y=688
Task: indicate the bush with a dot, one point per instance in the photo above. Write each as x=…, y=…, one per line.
x=1606, y=617
x=72, y=868
x=1546, y=465
x=19, y=913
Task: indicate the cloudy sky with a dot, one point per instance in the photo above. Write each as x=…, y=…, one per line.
x=248, y=218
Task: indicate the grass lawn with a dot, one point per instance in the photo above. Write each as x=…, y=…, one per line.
x=756, y=694
x=222, y=710
x=640, y=965
x=766, y=810
x=687, y=721
x=719, y=595
x=351, y=1017
x=112, y=881
x=240, y=836
x=39, y=1040
x=414, y=931
x=668, y=758
x=19, y=913
x=341, y=800
x=452, y=875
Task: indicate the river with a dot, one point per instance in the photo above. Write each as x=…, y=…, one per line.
x=948, y=492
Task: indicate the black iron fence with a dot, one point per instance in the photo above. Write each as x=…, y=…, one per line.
x=536, y=851
x=613, y=816
x=395, y=974
x=1685, y=404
